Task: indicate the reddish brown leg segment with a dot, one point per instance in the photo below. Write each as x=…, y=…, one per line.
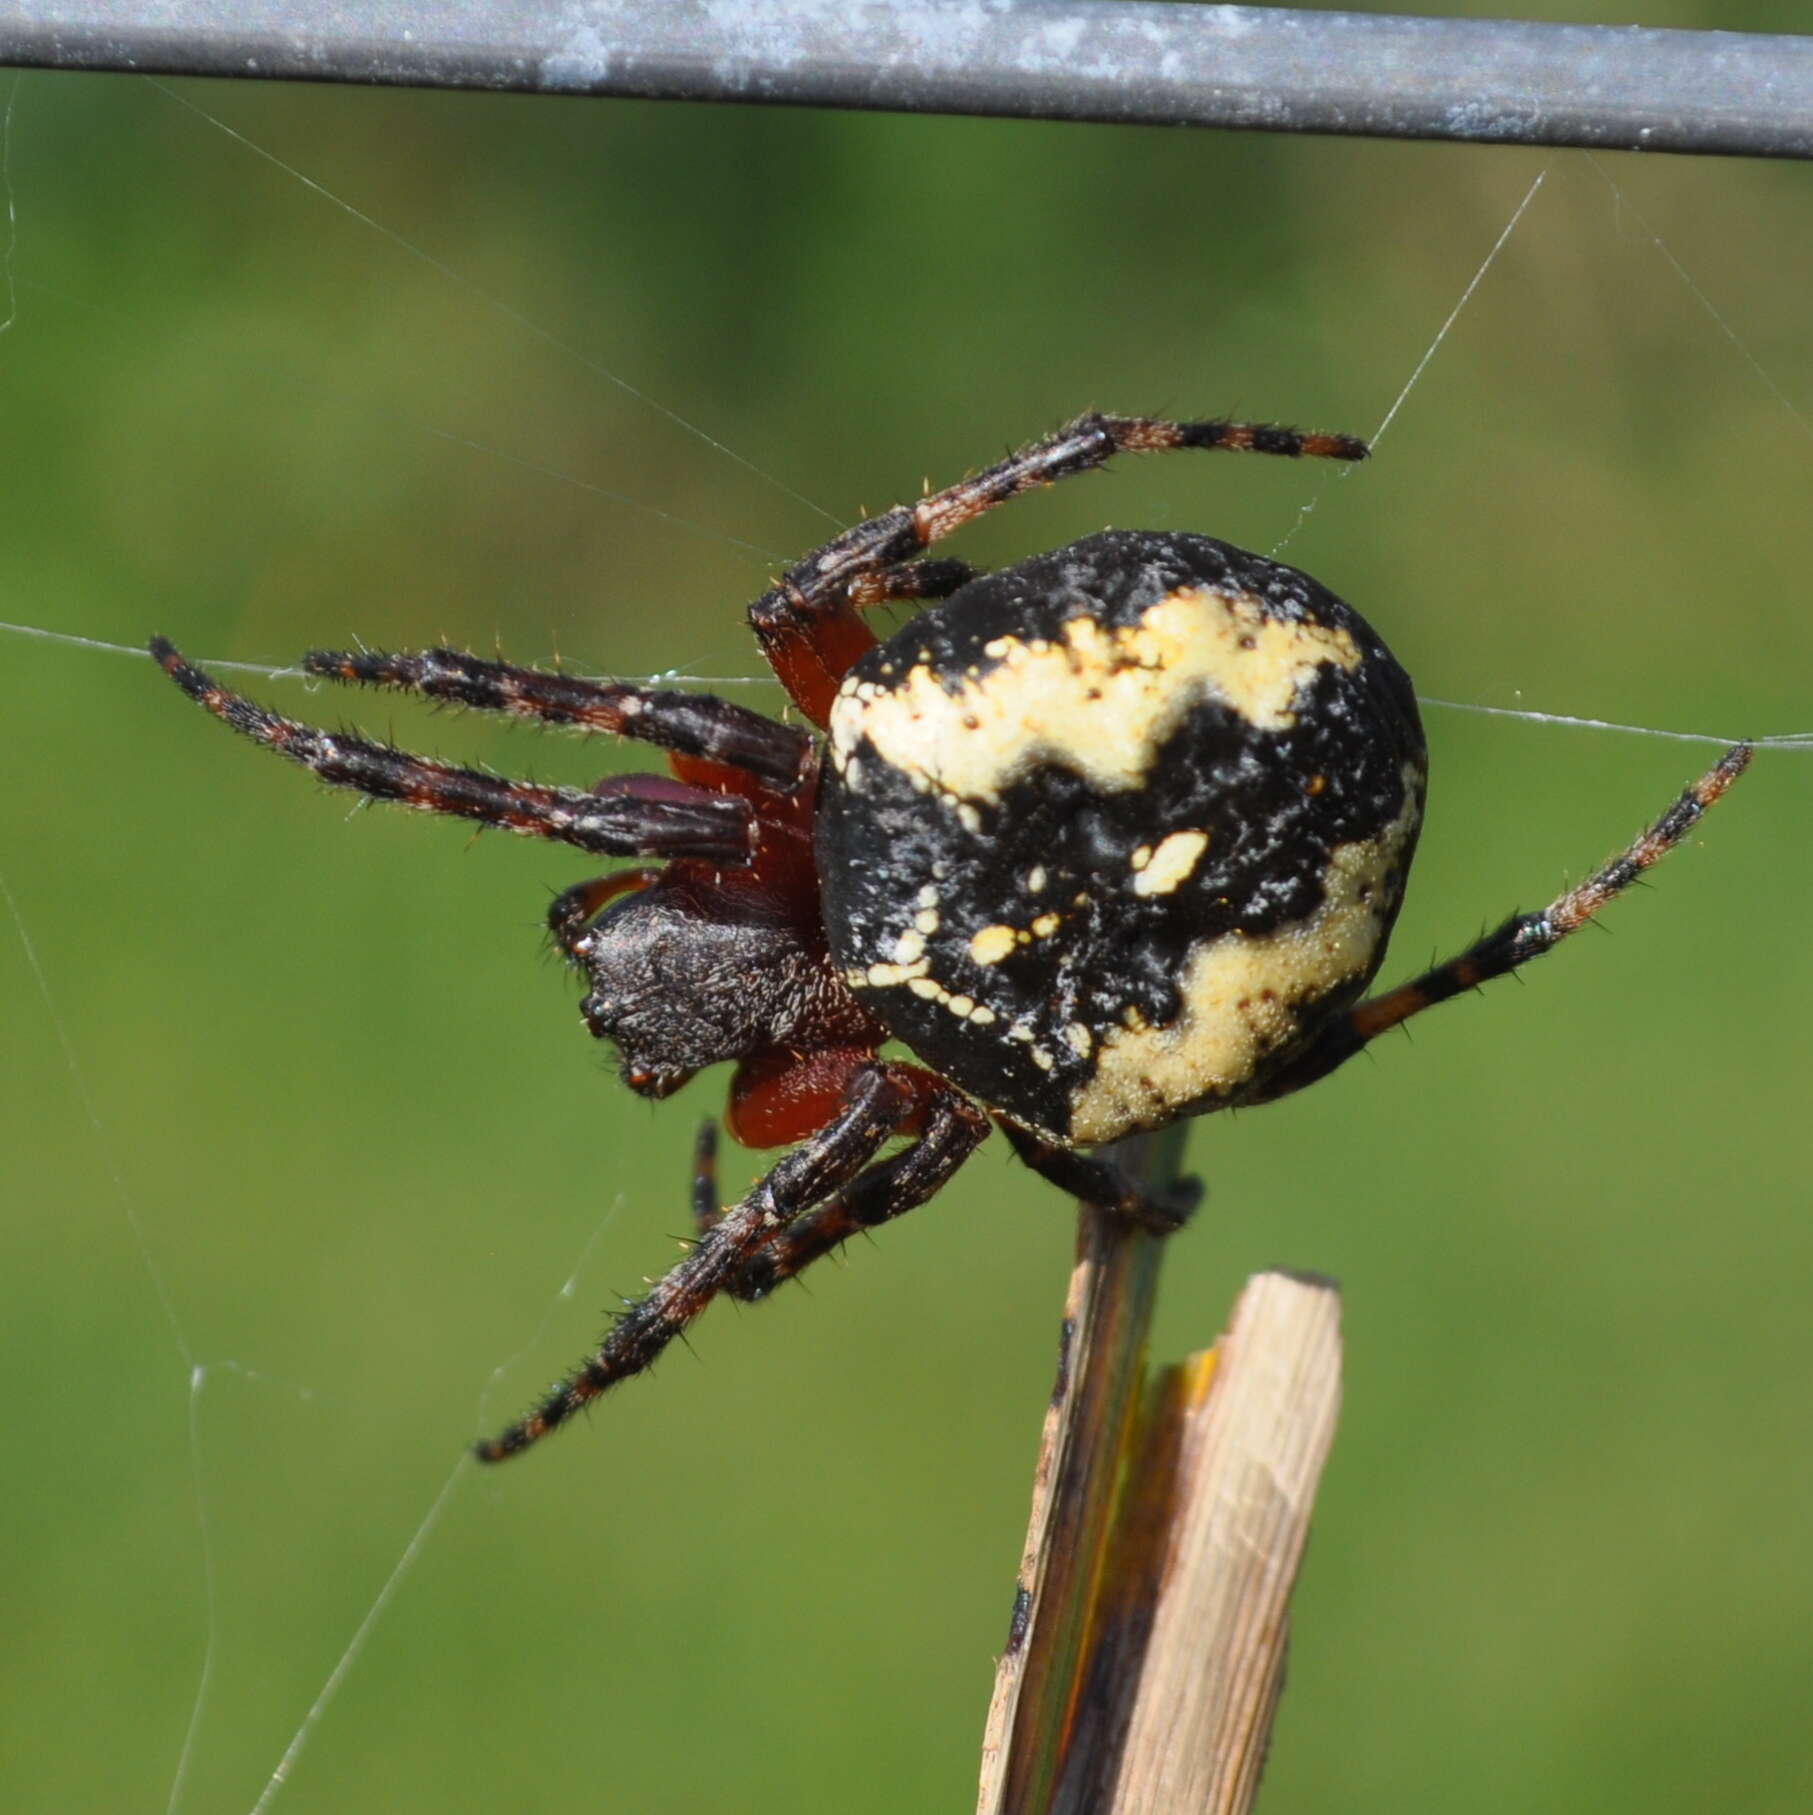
x=786, y=1096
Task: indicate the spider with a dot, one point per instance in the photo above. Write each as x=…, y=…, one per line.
x=1108, y=837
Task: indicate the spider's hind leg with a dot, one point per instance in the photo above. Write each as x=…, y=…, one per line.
x=1516, y=942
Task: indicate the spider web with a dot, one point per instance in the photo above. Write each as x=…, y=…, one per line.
x=300, y=1580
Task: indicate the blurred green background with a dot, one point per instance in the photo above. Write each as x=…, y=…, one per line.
x=347, y=1124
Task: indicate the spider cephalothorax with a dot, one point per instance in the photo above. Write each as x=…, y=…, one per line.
x=1112, y=836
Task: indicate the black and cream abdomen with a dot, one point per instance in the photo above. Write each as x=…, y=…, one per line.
x=1108, y=835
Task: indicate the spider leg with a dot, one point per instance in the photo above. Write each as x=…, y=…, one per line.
x=691, y=724
x=1104, y=1184
x=953, y=1129
x=874, y=1107
x=706, y=1213
x=637, y=816
x=808, y=623
x=909, y=580
x=811, y=658
x=1517, y=941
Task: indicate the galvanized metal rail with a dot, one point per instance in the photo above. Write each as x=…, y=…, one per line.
x=1126, y=61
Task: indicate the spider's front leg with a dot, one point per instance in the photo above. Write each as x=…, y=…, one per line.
x=631, y=816
x=693, y=726
x=876, y=1103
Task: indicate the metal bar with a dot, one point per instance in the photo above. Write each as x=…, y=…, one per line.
x=1125, y=61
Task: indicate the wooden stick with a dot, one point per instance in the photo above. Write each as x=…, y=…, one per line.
x=1214, y=1534
x=1090, y=1428
x=1146, y=1653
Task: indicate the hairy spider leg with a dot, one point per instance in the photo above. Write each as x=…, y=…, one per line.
x=875, y=1108
x=671, y=821
x=706, y=1210
x=711, y=743
x=811, y=656
x=698, y=725
x=1517, y=941
x=1104, y=1184
x=809, y=623
x=953, y=1128
x=810, y=660
x=910, y=580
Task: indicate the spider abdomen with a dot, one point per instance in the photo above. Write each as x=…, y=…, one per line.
x=1107, y=836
